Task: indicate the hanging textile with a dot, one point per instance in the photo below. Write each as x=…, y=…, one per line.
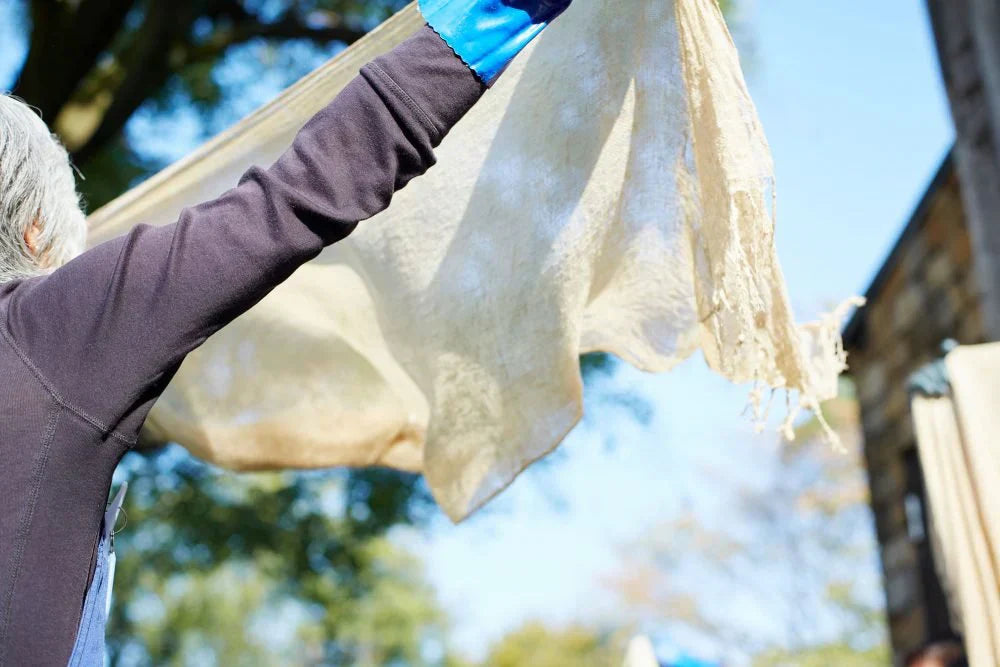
x=640, y=653
x=610, y=193
x=960, y=459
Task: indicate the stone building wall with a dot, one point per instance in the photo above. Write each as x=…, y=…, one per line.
x=925, y=293
x=936, y=284
x=967, y=35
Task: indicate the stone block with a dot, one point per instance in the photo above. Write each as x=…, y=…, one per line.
x=908, y=630
x=960, y=248
x=939, y=270
x=897, y=400
x=971, y=285
x=874, y=422
x=956, y=298
x=907, y=308
x=893, y=283
x=871, y=381
x=970, y=327
x=887, y=484
x=899, y=358
x=880, y=324
x=913, y=259
x=941, y=315
x=936, y=228
x=906, y=430
x=899, y=554
x=890, y=519
x=902, y=589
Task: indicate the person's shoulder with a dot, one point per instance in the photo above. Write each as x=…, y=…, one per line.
x=7, y=290
x=16, y=288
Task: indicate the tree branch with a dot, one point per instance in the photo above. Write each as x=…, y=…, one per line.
x=62, y=74
x=289, y=28
x=146, y=66
x=66, y=45
x=151, y=69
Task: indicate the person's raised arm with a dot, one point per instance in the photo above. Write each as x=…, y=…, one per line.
x=108, y=330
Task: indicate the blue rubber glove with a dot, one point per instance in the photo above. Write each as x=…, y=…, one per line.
x=488, y=34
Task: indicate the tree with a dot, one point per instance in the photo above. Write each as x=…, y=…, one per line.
x=540, y=646
x=780, y=579
x=92, y=64
x=212, y=563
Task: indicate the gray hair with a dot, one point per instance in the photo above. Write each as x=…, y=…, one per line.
x=36, y=188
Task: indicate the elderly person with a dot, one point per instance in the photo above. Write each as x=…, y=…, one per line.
x=89, y=340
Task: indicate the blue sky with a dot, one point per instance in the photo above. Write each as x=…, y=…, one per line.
x=850, y=96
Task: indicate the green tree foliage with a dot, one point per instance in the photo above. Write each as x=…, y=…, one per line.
x=840, y=653
x=276, y=568
x=92, y=64
x=537, y=645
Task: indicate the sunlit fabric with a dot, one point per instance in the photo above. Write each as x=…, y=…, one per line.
x=612, y=192
x=960, y=460
x=640, y=653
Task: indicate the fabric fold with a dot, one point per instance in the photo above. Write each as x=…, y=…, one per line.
x=956, y=441
x=613, y=193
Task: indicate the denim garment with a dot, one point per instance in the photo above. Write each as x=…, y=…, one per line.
x=88, y=651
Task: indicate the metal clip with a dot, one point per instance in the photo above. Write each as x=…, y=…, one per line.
x=114, y=508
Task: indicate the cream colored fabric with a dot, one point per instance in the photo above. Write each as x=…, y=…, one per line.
x=613, y=192
x=959, y=444
x=640, y=653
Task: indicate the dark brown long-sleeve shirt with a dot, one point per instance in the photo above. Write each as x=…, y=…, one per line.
x=86, y=350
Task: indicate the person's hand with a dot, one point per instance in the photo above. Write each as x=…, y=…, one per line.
x=488, y=34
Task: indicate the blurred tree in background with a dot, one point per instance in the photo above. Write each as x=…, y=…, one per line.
x=538, y=645
x=91, y=65
x=277, y=568
x=787, y=577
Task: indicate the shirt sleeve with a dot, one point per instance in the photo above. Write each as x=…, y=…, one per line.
x=108, y=330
